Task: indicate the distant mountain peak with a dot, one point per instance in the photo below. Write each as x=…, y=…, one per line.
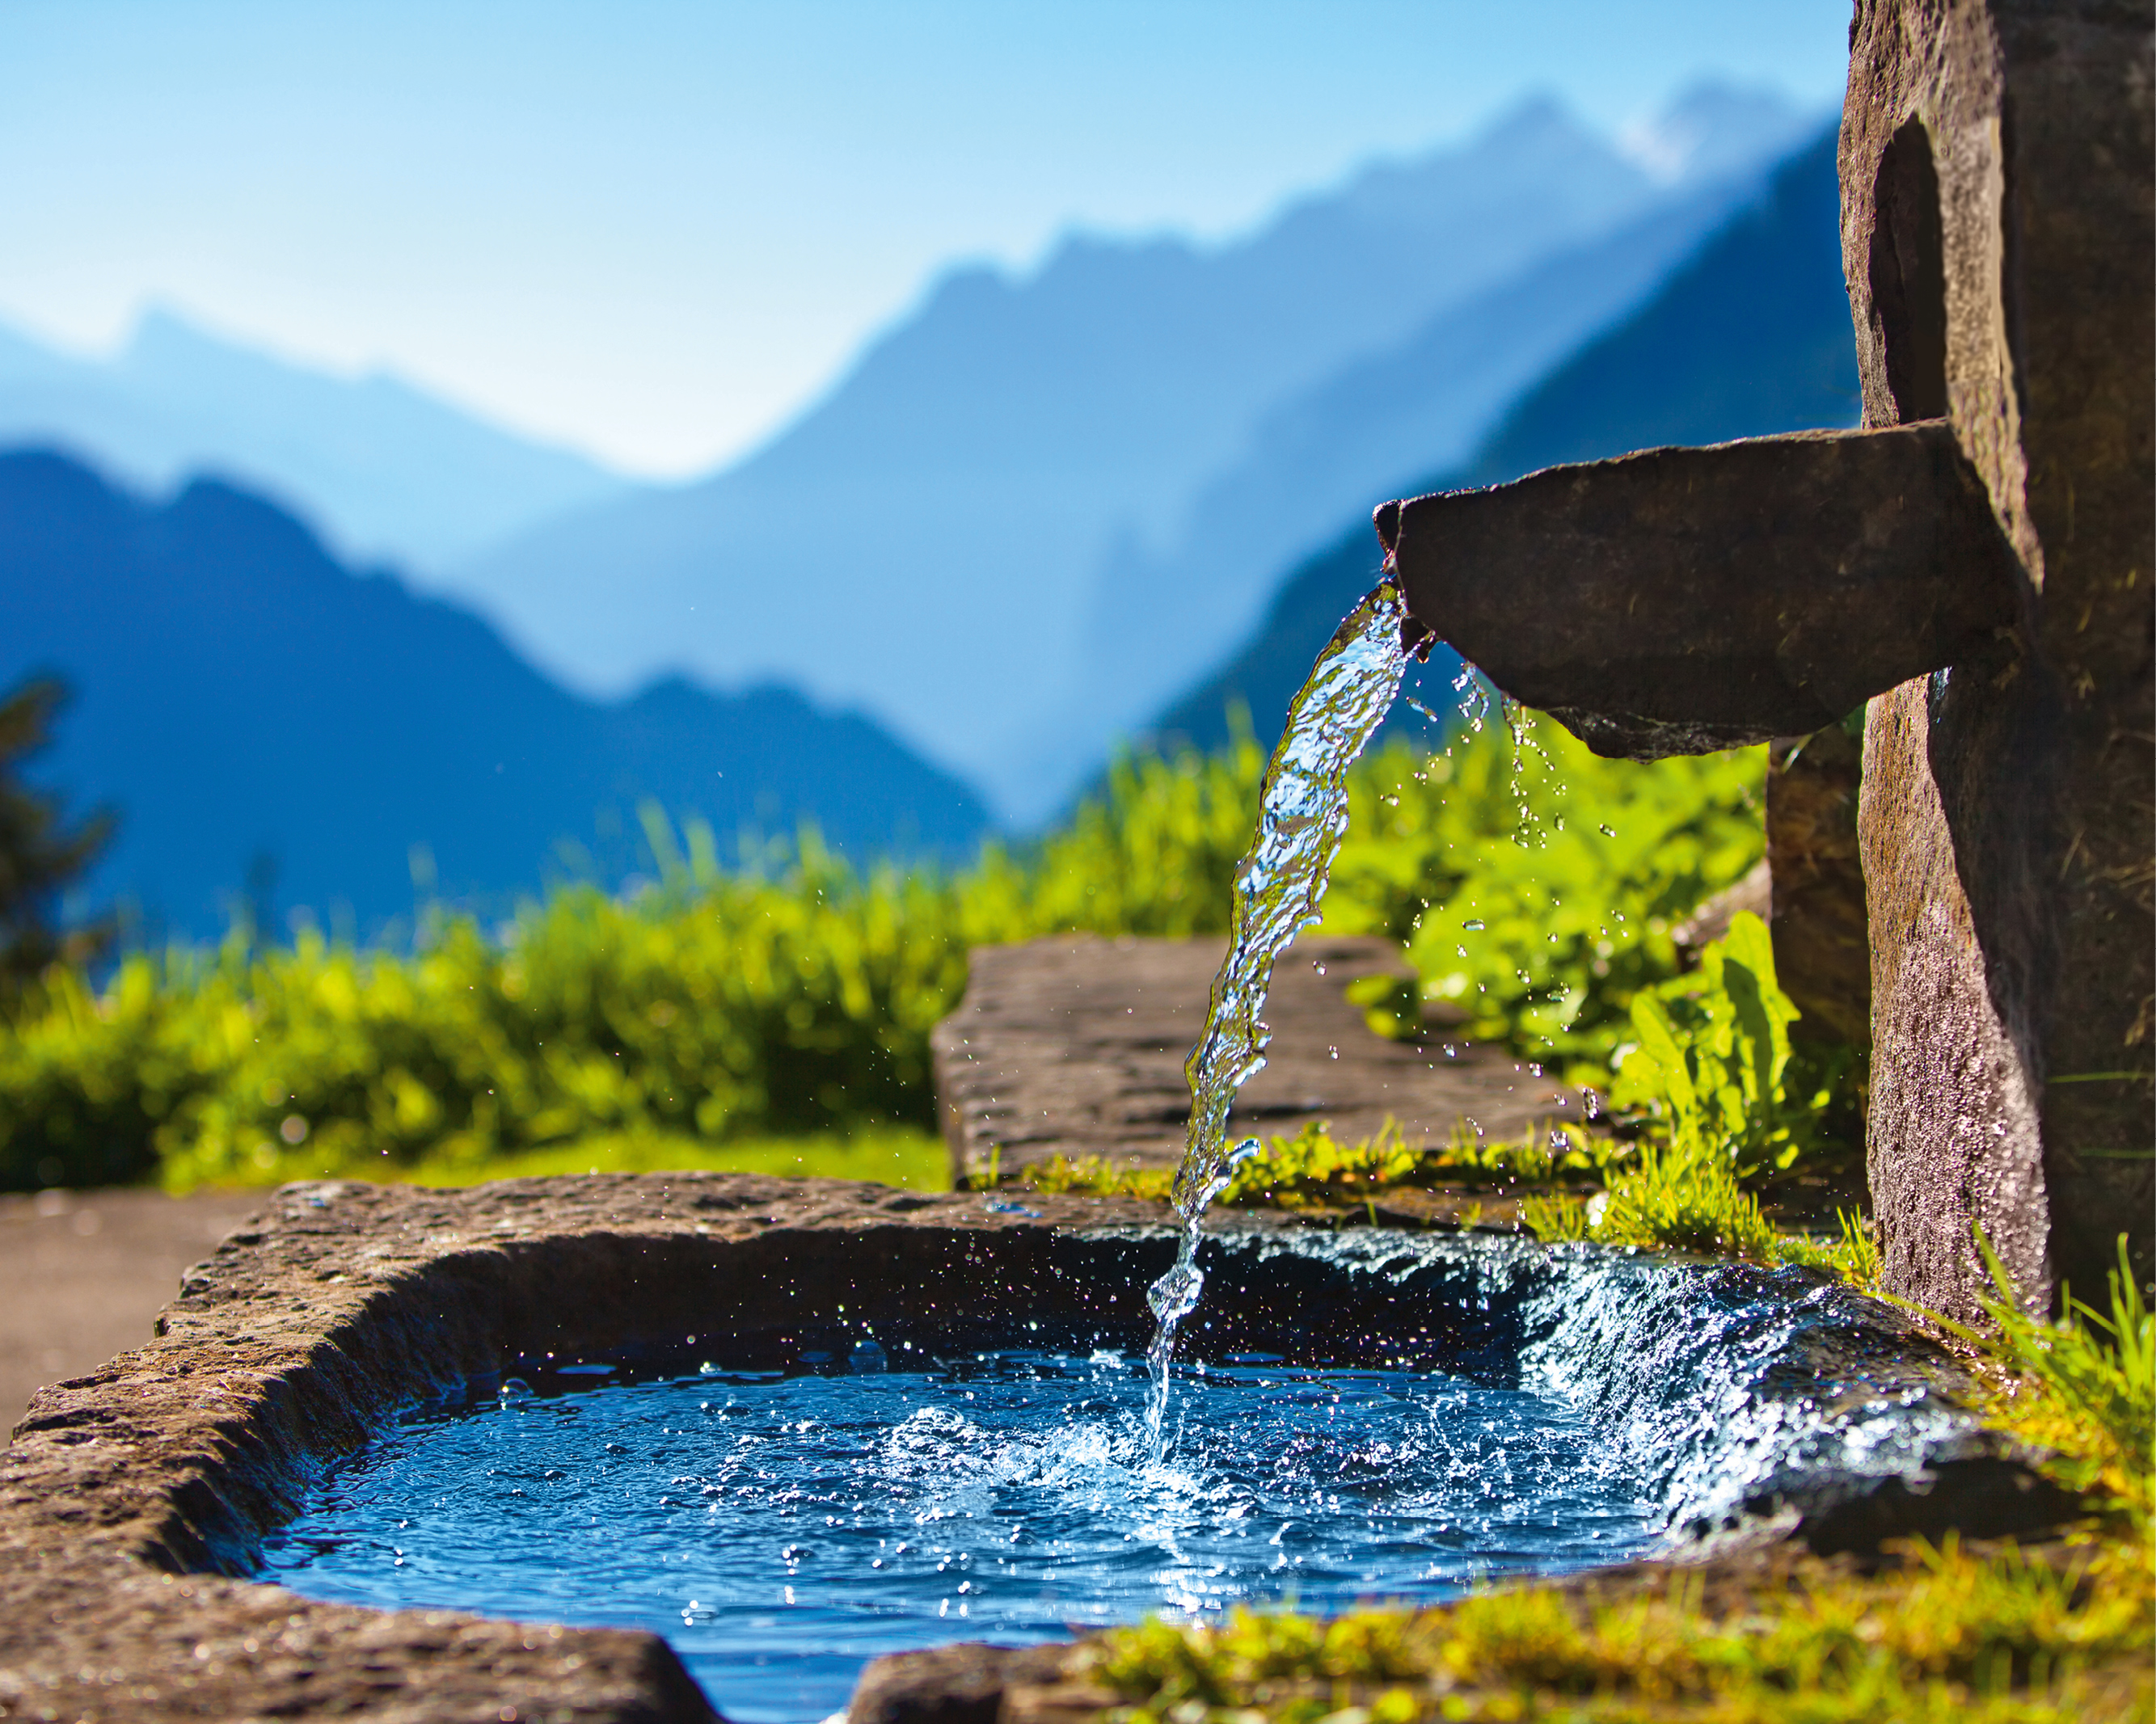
x=384, y=470
x=1714, y=128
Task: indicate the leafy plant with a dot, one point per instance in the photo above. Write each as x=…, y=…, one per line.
x=2082, y=1386
x=1533, y=884
x=1709, y=1073
x=792, y=994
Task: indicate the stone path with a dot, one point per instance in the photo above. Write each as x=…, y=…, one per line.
x=83, y=1275
x=1074, y=1044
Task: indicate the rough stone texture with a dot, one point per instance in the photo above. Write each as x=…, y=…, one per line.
x=1075, y=1045
x=1998, y=226
x=1682, y=600
x=1822, y=957
x=82, y=1274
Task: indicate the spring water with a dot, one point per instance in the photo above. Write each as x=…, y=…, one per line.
x=1503, y=1407
x=781, y=1530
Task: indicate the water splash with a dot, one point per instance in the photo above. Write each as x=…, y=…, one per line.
x=1302, y=816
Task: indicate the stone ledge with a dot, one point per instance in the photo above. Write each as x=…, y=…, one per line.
x=1074, y=1045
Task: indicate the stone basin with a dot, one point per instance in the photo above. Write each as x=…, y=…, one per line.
x=133, y=1498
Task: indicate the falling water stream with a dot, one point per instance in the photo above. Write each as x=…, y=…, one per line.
x=1302, y=817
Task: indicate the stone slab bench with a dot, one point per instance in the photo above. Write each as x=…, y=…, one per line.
x=1074, y=1045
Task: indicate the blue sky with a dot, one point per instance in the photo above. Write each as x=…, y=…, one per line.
x=651, y=228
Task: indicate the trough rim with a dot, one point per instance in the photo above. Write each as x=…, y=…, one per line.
x=286, y=1351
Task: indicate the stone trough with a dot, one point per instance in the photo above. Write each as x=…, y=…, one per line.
x=133, y=1501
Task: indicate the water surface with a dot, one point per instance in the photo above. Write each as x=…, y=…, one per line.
x=781, y=1530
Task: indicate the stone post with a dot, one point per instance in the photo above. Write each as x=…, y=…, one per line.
x=1997, y=236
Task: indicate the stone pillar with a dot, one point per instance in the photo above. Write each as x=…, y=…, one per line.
x=1821, y=955
x=1996, y=235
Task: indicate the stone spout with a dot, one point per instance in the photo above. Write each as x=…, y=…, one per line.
x=1679, y=601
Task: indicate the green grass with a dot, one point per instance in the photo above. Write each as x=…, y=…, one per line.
x=1995, y=1635
x=791, y=997
x=894, y=1155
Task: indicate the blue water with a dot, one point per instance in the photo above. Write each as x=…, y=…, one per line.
x=780, y=1530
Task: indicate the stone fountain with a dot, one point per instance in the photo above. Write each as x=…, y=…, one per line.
x=1974, y=564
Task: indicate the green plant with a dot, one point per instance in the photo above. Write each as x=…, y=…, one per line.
x=1705, y=1085
x=1713, y=1048
x=1533, y=884
x=2082, y=1386
x=1678, y=1197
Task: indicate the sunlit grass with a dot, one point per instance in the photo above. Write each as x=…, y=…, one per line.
x=790, y=995
x=1955, y=1634
x=896, y=1155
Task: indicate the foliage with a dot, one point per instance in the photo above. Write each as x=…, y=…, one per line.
x=2000, y=1636
x=2082, y=1386
x=40, y=854
x=1312, y=1170
x=1711, y=1074
x=792, y=994
x=1707, y=1084
x=1534, y=883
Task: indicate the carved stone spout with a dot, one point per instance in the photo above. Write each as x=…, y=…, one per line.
x=1681, y=600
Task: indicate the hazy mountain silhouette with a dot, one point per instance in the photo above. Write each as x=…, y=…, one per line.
x=929, y=539
x=263, y=718
x=381, y=470
x=1751, y=337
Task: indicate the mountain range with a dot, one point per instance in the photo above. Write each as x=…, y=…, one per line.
x=381, y=471
x=263, y=718
x=999, y=533
x=1750, y=337
x=1041, y=511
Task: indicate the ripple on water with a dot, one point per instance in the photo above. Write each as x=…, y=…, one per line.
x=781, y=1530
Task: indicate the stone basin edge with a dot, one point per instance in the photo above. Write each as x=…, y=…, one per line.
x=126, y=1490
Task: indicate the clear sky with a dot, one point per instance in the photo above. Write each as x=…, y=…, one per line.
x=653, y=227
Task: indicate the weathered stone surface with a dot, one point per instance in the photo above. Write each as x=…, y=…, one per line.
x=1822, y=952
x=340, y=1302
x=1996, y=520
x=1681, y=600
x=1075, y=1045
x=1999, y=220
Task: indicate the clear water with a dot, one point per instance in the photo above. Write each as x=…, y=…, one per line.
x=781, y=1531
x=1280, y=886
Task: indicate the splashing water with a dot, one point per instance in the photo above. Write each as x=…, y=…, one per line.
x=1302, y=816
